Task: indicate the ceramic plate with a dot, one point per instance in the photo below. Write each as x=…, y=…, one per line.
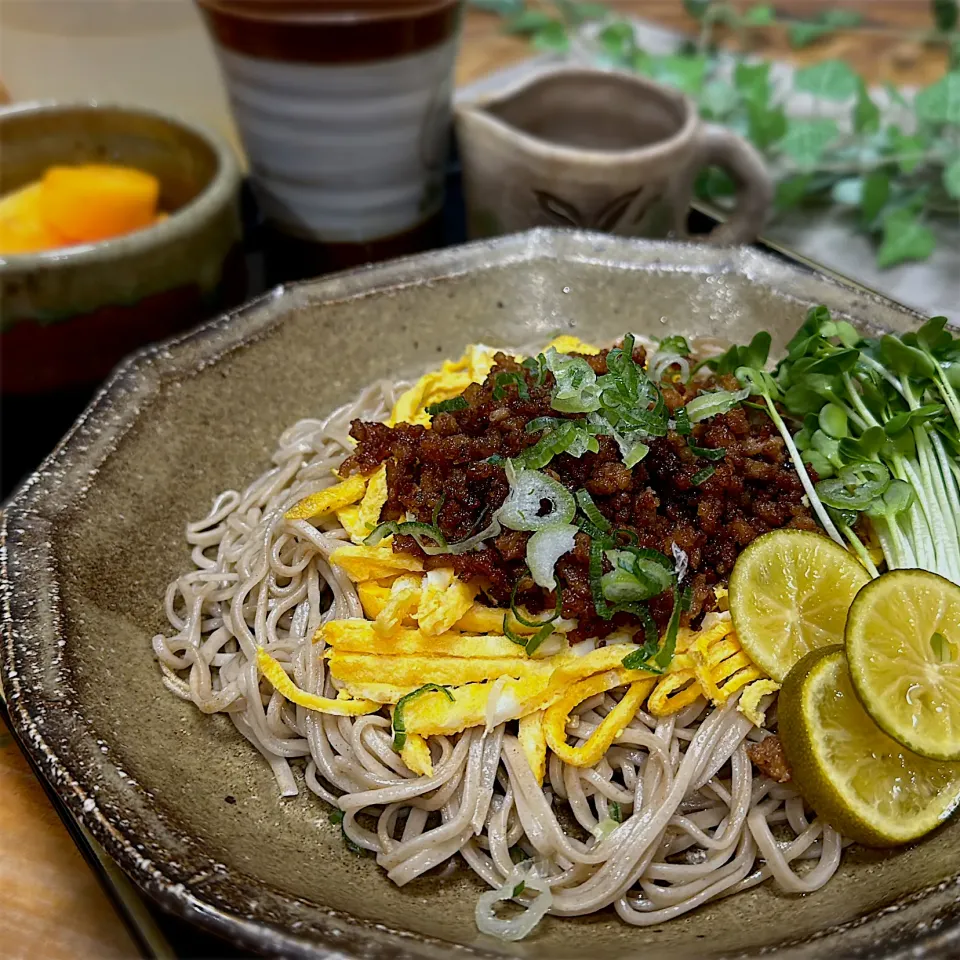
x=179, y=799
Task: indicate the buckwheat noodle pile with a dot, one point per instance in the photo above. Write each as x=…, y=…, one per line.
x=697, y=822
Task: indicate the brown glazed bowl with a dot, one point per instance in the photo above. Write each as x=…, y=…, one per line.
x=91, y=540
x=68, y=316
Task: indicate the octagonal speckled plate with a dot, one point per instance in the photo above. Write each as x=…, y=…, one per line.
x=91, y=540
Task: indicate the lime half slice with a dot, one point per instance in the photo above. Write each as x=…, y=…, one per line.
x=789, y=594
x=859, y=780
x=903, y=646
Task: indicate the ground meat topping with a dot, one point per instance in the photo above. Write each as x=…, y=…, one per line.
x=768, y=757
x=447, y=471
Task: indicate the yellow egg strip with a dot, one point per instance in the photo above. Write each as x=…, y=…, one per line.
x=749, y=704
x=533, y=742
x=360, y=636
x=416, y=671
x=373, y=563
x=477, y=619
x=673, y=692
x=403, y=600
x=612, y=725
x=326, y=501
x=433, y=713
x=274, y=672
x=415, y=753
x=443, y=601
x=383, y=693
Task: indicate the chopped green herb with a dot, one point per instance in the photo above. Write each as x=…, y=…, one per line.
x=615, y=812
x=708, y=453
x=399, y=725
x=503, y=380
x=519, y=888
x=702, y=476
x=447, y=406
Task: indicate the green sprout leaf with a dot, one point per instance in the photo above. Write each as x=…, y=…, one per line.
x=905, y=238
x=830, y=79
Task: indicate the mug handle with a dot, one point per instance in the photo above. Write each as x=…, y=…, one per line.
x=718, y=146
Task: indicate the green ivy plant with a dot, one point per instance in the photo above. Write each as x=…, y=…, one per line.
x=893, y=177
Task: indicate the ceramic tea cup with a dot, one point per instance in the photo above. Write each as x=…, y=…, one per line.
x=343, y=107
x=600, y=150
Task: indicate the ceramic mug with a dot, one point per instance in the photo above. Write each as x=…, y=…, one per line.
x=600, y=150
x=343, y=107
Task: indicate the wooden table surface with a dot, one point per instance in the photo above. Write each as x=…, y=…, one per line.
x=53, y=906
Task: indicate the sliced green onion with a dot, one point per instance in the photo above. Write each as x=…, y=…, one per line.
x=591, y=511
x=707, y=453
x=435, y=516
x=496, y=459
x=528, y=489
x=515, y=610
x=576, y=389
x=711, y=404
x=681, y=603
x=537, y=366
x=447, y=406
x=411, y=528
x=681, y=422
x=702, y=476
x=615, y=812
x=503, y=380
x=545, y=548
x=596, y=580
x=399, y=724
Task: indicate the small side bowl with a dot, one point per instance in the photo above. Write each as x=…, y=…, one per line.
x=67, y=316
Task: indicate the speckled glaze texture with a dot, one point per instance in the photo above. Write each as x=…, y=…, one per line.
x=90, y=541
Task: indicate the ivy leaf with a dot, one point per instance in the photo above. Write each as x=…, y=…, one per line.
x=765, y=126
x=577, y=13
x=904, y=238
x=684, y=73
x=718, y=99
x=940, y=102
x=713, y=183
x=792, y=190
x=848, y=192
x=528, y=22
x=807, y=138
x=802, y=34
x=951, y=178
x=866, y=114
x=696, y=8
x=552, y=37
x=909, y=150
x=618, y=41
x=896, y=97
x=876, y=192
x=829, y=79
x=761, y=15
x=752, y=80
x=841, y=18
x=945, y=13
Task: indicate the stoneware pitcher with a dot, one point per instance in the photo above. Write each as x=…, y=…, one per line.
x=600, y=150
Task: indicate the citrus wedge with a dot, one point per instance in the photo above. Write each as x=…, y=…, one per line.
x=789, y=594
x=859, y=780
x=903, y=646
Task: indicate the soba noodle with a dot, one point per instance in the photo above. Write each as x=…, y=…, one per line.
x=697, y=822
